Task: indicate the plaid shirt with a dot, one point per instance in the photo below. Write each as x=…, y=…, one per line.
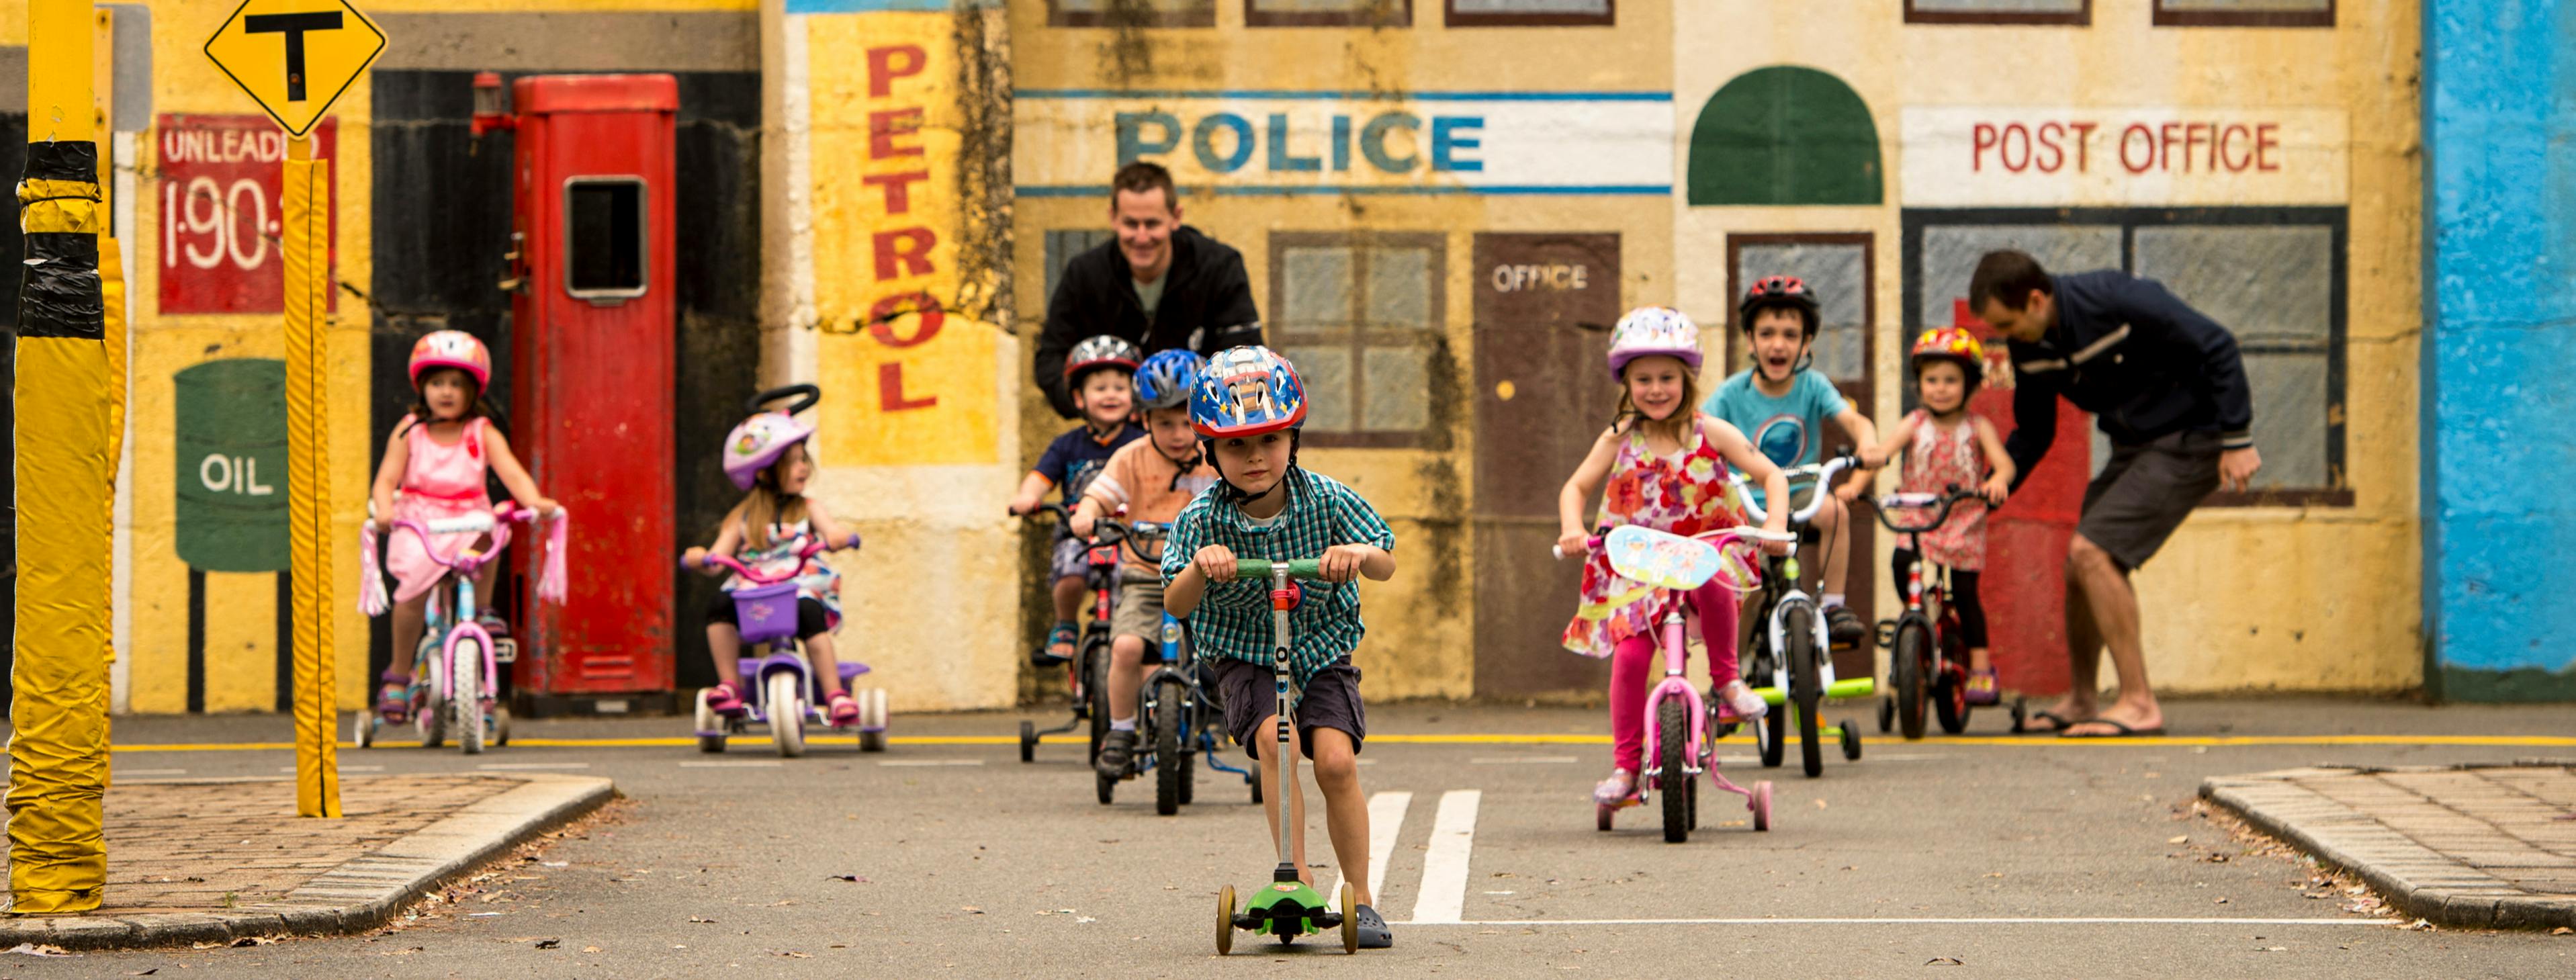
x=1233, y=619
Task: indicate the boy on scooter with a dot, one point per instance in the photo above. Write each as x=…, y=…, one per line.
x=1247, y=406
x=1152, y=478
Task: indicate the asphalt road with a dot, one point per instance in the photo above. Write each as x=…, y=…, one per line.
x=1990, y=855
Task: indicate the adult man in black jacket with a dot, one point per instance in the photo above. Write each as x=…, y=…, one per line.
x=2168, y=387
x=1160, y=285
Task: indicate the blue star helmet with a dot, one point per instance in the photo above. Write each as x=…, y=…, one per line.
x=1166, y=378
x=1247, y=391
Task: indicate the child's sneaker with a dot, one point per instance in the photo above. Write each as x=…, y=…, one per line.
x=1372, y=929
x=1117, y=751
x=1843, y=628
x=492, y=623
x=844, y=711
x=393, y=704
x=1740, y=700
x=1618, y=790
x=1981, y=688
x=723, y=699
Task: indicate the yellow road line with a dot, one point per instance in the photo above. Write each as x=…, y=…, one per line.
x=2143, y=741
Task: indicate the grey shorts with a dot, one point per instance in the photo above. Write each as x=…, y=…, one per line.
x=1140, y=610
x=2144, y=493
x=1069, y=556
x=1331, y=700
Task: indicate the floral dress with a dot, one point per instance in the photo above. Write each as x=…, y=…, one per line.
x=1934, y=462
x=814, y=579
x=1686, y=493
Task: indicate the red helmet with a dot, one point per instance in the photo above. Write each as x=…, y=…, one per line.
x=1770, y=292
x=452, y=348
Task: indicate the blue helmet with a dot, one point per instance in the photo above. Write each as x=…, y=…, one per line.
x=1166, y=378
x=1247, y=391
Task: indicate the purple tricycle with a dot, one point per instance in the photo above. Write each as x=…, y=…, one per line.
x=1679, y=744
x=779, y=688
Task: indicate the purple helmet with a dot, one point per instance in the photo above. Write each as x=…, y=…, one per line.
x=758, y=442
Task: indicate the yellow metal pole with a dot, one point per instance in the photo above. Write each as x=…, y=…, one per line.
x=308, y=487
x=111, y=283
x=58, y=745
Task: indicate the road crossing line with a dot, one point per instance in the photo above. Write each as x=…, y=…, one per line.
x=2001, y=921
x=518, y=766
x=1443, y=896
x=1386, y=820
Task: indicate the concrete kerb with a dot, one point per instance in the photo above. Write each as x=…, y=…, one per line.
x=2415, y=879
x=365, y=892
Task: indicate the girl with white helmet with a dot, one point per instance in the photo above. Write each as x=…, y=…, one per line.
x=434, y=468
x=766, y=455
x=1665, y=465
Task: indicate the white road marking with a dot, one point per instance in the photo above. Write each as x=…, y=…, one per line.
x=280, y=769
x=2105, y=921
x=931, y=762
x=1443, y=896
x=1386, y=819
x=515, y=766
x=121, y=773
x=1523, y=760
x=741, y=764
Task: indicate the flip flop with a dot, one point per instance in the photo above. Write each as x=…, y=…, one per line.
x=2058, y=723
x=2124, y=731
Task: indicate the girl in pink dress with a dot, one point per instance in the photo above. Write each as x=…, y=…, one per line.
x=1943, y=445
x=434, y=467
x=1665, y=462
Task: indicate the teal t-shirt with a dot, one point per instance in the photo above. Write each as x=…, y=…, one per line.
x=1790, y=429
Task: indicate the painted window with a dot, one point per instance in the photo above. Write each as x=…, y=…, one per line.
x=2077, y=12
x=1063, y=244
x=1837, y=267
x=2245, y=13
x=1361, y=315
x=2275, y=277
x=1532, y=13
x=1131, y=13
x=1784, y=135
x=1328, y=13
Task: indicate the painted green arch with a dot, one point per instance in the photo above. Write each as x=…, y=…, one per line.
x=1785, y=135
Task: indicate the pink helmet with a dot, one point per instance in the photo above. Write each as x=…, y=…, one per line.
x=1653, y=330
x=758, y=442
x=452, y=348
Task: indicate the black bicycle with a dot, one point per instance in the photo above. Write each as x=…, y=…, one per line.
x=1789, y=641
x=1931, y=656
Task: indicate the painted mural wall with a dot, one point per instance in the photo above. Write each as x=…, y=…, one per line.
x=2500, y=334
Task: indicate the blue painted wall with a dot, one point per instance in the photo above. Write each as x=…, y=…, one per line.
x=2499, y=372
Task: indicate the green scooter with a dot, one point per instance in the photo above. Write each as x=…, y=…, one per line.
x=1287, y=907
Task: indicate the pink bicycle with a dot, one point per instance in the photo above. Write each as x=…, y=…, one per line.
x=1677, y=717
x=453, y=691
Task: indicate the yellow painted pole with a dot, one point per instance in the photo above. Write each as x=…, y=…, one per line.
x=111, y=284
x=308, y=486
x=58, y=745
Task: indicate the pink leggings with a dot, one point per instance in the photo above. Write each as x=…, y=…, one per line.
x=1638, y=665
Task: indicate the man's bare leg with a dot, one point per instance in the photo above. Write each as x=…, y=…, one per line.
x=2113, y=604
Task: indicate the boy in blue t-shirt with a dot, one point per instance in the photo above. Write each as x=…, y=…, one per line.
x=1099, y=372
x=1782, y=403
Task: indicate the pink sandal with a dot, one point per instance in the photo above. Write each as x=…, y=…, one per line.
x=724, y=700
x=1739, y=703
x=845, y=710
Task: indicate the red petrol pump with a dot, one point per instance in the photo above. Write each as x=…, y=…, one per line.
x=594, y=309
x=2024, y=586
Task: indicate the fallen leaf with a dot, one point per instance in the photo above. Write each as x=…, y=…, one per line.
x=1083, y=919
x=970, y=908
x=853, y=879
x=2178, y=839
x=1943, y=961
x=2562, y=931
x=549, y=943
x=590, y=949
x=142, y=973
x=697, y=918
x=1820, y=804
x=797, y=955
x=2222, y=901
x=2418, y=925
x=2276, y=949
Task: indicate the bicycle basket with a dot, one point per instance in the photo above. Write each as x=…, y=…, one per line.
x=766, y=612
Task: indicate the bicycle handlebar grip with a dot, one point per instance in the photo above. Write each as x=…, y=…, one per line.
x=1304, y=568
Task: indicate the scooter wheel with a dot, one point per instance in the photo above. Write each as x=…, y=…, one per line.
x=1601, y=813
x=500, y=724
x=362, y=729
x=1225, y=920
x=1028, y=742
x=1760, y=804
x=1886, y=715
x=1350, y=919
x=1851, y=742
